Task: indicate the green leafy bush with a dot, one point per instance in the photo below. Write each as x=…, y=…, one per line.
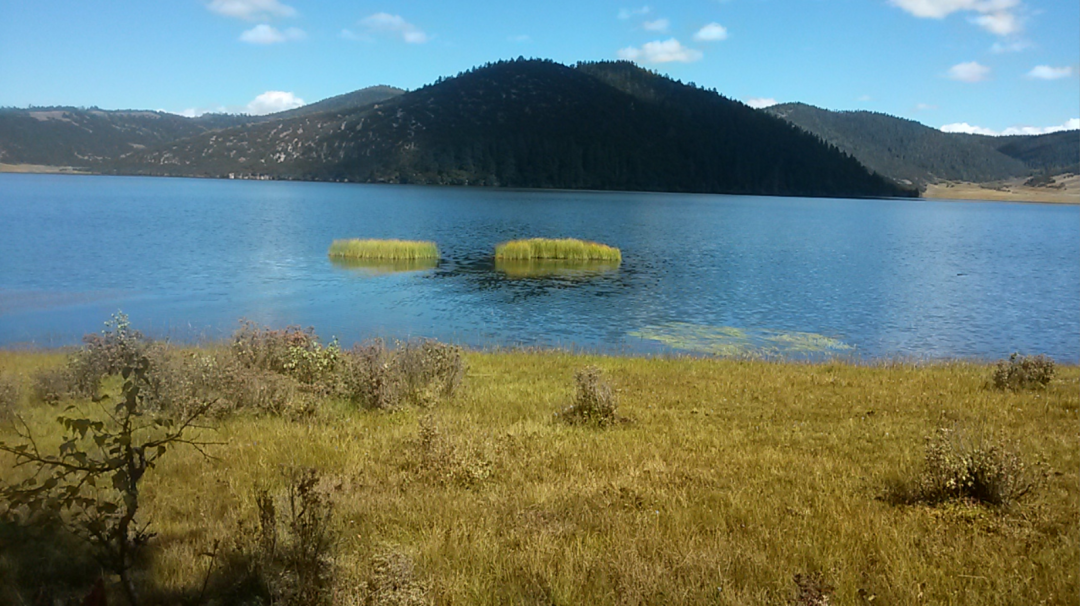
x=292, y=351
x=1021, y=372
x=961, y=467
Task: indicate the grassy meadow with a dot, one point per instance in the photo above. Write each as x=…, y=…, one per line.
x=723, y=482
x=400, y=250
x=565, y=248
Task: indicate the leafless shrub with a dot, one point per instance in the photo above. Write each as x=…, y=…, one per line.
x=417, y=372
x=446, y=461
x=594, y=400
x=1023, y=372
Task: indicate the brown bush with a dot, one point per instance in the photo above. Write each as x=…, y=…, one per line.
x=292, y=351
x=51, y=385
x=1022, y=372
x=417, y=372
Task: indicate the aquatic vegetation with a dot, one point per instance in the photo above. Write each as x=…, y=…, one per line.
x=566, y=248
x=384, y=266
x=731, y=342
x=542, y=268
x=383, y=249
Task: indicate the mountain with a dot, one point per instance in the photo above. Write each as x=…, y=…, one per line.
x=72, y=136
x=533, y=123
x=69, y=136
x=355, y=99
x=909, y=152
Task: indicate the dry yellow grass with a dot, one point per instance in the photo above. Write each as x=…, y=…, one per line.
x=730, y=478
x=1011, y=191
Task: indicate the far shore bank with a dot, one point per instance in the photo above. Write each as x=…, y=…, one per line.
x=1012, y=191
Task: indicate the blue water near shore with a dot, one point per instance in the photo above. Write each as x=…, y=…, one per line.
x=187, y=258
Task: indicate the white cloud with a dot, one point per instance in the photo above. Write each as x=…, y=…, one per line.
x=251, y=10
x=393, y=24
x=273, y=101
x=995, y=16
x=520, y=39
x=195, y=112
x=1010, y=47
x=268, y=34
x=1000, y=23
x=964, y=127
x=626, y=13
x=659, y=25
x=711, y=33
x=761, y=102
x=1046, y=72
x=972, y=71
x=658, y=51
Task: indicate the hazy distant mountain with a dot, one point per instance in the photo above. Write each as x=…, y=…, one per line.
x=909, y=152
x=72, y=136
x=534, y=124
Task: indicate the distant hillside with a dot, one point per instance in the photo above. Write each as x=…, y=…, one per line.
x=534, y=124
x=1051, y=154
x=71, y=136
x=909, y=152
x=68, y=136
x=355, y=99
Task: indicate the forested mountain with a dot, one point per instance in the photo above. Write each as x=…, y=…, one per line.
x=533, y=123
x=353, y=100
x=909, y=152
x=72, y=136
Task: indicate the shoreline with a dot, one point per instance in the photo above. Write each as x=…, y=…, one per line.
x=958, y=192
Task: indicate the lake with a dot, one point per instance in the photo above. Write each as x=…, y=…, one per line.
x=732, y=275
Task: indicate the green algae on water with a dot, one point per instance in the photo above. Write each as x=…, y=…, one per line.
x=732, y=342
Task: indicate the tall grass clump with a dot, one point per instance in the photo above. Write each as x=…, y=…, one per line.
x=9, y=396
x=1022, y=372
x=383, y=249
x=566, y=248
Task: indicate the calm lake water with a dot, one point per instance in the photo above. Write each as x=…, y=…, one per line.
x=187, y=258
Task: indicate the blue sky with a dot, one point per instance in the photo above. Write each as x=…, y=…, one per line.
x=977, y=65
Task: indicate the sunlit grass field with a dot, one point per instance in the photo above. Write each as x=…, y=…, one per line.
x=383, y=249
x=727, y=480
x=566, y=248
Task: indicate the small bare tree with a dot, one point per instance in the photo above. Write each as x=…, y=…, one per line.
x=91, y=484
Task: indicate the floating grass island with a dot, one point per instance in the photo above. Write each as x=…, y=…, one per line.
x=547, y=268
x=565, y=248
x=399, y=250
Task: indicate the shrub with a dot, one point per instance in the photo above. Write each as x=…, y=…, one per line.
x=1021, y=372
x=293, y=351
x=430, y=370
x=105, y=354
x=51, y=385
x=594, y=400
x=9, y=396
x=417, y=372
x=288, y=557
x=445, y=461
x=958, y=467
x=369, y=378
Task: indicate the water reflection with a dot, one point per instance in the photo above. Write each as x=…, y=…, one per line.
x=378, y=267
x=544, y=268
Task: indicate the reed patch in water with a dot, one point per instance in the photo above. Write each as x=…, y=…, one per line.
x=550, y=268
x=383, y=249
x=377, y=267
x=565, y=248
